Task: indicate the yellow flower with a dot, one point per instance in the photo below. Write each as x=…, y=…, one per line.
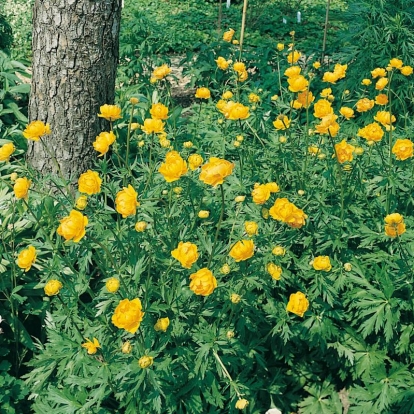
x=385, y=118
x=292, y=71
x=322, y=108
x=316, y=65
x=188, y=144
x=322, y=263
x=35, y=130
x=203, y=214
x=364, y=105
x=6, y=151
x=21, y=187
x=328, y=125
x=215, y=171
x=396, y=63
x=81, y=202
x=378, y=73
x=153, y=126
x=281, y=123
x=235, y=110
x=103, y=141
x=279, y=251
x=13, y=177
x=371, y=132
x=406, y=70
x=242, y=250
x=235, y=298
x=381, y=99
x=52, y=287
x=161, y=72
x=110, y=112
x=254, y=98
x=112, y=285
x=222, y=63
x=228, y=36
x=72, y=227
x=394, y=225
x=274, y=270
x=126, y=347
x=359, y=151
x=203, y=93
x=26, y=258
x=344, y=151
x=225, y=269
x=186, y=253
x=273, y=187
x=274, y=97
x=305, y=98
x=381, y=84
x=330, y=77
x=162, y=324
x=173, y=167
x=242, y=403
x=347, y=112
x=280, y=47
x=239, y=67
x=366, y=82
x=298, y=304
x=141, y=226
x=226, y=95
x=251, y=228
x=159, y=111
x=203, y=282
x=242, y=76
x=128, y=315
x=285, y=211
x=298, y=83
x=92, y=347
x=261, y=194
x=340, y=70
x=89, y=183
x=313, y=150
x=403, y=149
x=126, y=202
x=293, y=56
x=133, y=100
x=145, y=361
x=326, y=92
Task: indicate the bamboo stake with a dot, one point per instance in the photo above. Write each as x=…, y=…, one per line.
x=325, y=30
x=242, y=27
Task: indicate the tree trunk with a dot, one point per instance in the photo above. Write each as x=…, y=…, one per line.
x=75, y=55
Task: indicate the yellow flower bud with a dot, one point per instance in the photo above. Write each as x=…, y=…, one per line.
x=240, y=138
x=13, y=177
x=81, y=202
x=265, y=213
x=187, y=144
x=126, y=347
x=141, y=226
x=236, y=144
x=347, y=267
x=240, y=199
x=220, y=121
x=251, y=228
x=134, y=126
x=359, y=151
x=141, y=143
x=203, y=214
x=162, y=324
x=279, y=251
x=282, y=140
x=178, y=190
x=230, y=334
x=112, y=285
x=225, y=269
x=301, y=192
x=145, y=361
x=242, y=403
x=133, y=101
x=235, y=298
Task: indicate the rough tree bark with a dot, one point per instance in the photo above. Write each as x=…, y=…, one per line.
x=75, y=54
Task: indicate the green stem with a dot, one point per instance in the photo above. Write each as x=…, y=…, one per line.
x=340, y=177
x=218, y=226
